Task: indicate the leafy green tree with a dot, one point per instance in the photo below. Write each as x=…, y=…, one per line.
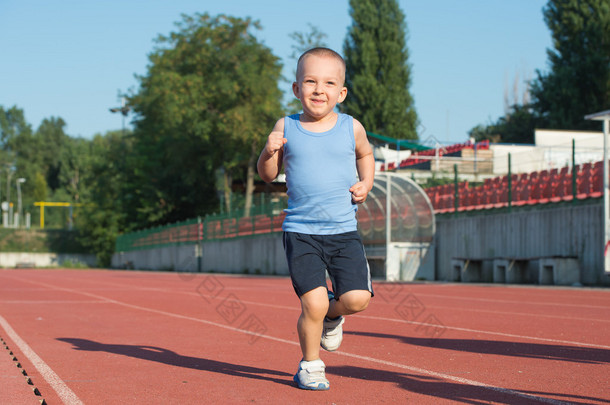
x=48, y=147
x=75, y=160
x=51, y=162
x=517, y=126
x=483, y=132
x=578, y=82
x=207, y=102
x=106, y=207
x=378, y=74
x=12, y=125
x=50, y=152
x=39, y=187
x=16, y=139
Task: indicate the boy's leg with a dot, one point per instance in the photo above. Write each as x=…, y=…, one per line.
x=311, y=373
x=314, y=307
x=349, y=303
x=352, y=287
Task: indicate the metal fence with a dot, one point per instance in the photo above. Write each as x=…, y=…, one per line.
x=264, y=219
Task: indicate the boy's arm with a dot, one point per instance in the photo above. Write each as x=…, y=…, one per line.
x=270, y=160
x=365, y=164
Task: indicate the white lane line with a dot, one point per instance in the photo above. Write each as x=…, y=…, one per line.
x=511, y=335
x=66, y=394
x=20, y=302
x=341, y=353
x=435, y=325
x=533, y=314
x=460, y=380
x=531, y=303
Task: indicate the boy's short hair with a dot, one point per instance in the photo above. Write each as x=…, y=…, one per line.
x=320, y=51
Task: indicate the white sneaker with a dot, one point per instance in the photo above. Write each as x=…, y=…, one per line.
x=311, y=376
x=332, y=334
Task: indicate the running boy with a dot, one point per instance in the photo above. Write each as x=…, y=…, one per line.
x=329, y=168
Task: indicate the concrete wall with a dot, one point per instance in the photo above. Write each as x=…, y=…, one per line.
x=44, y=259
x=255, y=255
x=538, y=231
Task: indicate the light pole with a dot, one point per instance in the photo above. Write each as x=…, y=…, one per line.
x=124, y=110
x=9, y=174
x=19, y=207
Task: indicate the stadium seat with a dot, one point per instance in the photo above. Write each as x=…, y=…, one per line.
x=524, y=195
x=546, y=188
x=536, y=192
x=448, y=189
x=469, y=198
x=597, y=186
x=584, y=187
x=564, y=187
x=502, y=194
x=262, y=225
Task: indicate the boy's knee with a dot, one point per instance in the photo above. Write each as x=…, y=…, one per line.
x=315, y=305
x=316, y=308
x=356, y=301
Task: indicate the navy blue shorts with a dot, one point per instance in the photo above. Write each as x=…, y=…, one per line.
x=342, y=255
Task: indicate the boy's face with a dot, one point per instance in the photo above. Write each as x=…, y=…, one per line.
x=320, y=85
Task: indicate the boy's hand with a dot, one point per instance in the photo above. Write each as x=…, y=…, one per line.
x=359, y=192
x=275, y=141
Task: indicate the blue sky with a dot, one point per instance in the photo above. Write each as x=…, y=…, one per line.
x=70, y=59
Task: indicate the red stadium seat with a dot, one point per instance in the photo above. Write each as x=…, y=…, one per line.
x=536, y=192
x=524, y=196
x=584, y=187
x=564, y=187
x=597, y=186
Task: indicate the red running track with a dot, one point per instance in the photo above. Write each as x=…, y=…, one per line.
x=128, y=337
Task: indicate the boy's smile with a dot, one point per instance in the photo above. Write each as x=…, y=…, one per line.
x=320, y=87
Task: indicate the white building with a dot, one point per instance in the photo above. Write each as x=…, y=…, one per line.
x=552, y=149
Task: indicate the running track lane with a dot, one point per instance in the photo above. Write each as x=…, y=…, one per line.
x=116, y=337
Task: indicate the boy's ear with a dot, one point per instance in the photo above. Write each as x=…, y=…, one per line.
x=296, y=89
x=342, y=95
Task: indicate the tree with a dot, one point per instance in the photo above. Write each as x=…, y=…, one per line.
x=578, y=82
x=207, y=102
x=378, y=74
x=12, y=124
x=49, y=146
x=16, y=139
x=106, y=210
x=517, y=126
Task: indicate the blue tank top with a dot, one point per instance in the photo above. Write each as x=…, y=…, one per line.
x=320, y=168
